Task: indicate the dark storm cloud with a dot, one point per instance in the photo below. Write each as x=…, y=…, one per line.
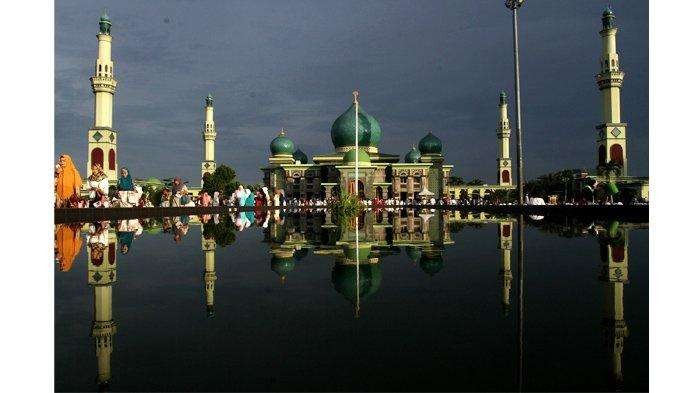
x=419, y=65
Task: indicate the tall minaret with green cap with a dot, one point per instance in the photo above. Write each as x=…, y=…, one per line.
x=209, y=137
x=102, y=138
x=503, y=134
x=612, y=133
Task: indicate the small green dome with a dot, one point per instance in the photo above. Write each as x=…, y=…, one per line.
x=343, y=129
x=413, y=156
x=430, y=144
x=105, y=23
x=282, y=145
x=431, y=262
x=300, y=156
x=344, y=278
x=349, y=157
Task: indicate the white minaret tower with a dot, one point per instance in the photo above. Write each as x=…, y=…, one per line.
x=102, y=138
x=503, y=134
x=612, y=135
x=209, y=137
x=505, y=241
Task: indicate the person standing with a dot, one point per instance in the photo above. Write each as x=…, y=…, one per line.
x=67, y=181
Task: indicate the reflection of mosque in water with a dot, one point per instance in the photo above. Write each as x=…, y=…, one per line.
x=423, y=236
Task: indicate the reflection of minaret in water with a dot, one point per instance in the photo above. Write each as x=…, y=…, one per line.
x=209, y=248
x=505, y=242
x=614, y=275
x=102, y=273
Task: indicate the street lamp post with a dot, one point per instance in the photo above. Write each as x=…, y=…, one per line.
x=514, y=5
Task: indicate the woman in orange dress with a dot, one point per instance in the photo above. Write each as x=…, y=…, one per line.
x=68, y=181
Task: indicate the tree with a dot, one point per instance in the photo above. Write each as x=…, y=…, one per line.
x=475, y=182
x=610, y=170
x=223, y=180
x=223, y=233
x=455, y=181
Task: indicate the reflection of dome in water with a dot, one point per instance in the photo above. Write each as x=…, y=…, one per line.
x=301, y=254
x=345, y=280
x=282, y=265
x=413, y=253
x=431, y=262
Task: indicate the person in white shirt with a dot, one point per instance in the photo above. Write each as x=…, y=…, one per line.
x=98, y=184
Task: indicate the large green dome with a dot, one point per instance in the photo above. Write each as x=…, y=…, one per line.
x=430, y=144
x=300, y=156
x=413, y=156
x=343, y=129
x=282, y=145
x=362, y=159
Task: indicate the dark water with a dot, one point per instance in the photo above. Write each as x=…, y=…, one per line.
x=438, y=306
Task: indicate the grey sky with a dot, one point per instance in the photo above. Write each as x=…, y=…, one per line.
x=419, y=65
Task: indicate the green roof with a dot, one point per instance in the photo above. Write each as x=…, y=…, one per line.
x=349, y=157
x=413, y=156
x=300, y=156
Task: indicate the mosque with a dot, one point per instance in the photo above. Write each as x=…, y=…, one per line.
x=423, y=171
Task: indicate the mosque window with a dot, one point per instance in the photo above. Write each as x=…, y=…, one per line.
x=618, y=253
x=111, y=254
x=112, y=159
x=97, y=156
x=613, y=63
x=505, y=176
x=616, y=154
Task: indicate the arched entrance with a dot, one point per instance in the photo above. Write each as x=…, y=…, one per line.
x=97, y=157
x=463, y=194
x=112, y=159
x=616, y=154
x=505, y=176
x=360, y=186
x=378, y=192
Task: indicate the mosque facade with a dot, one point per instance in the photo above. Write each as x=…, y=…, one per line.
x=422, y=171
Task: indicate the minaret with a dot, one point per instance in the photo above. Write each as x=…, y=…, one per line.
x=612, y=134
x=102, y=138
x=614, y=275
x=102, y=274
x=505, y=241
x=209, y=248
x=503, y=134
x=209, y=137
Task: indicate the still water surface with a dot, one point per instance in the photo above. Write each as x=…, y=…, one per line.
x=157, y=305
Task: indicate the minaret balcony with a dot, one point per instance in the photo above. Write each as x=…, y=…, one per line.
x=103, y=84
x=609, y=79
